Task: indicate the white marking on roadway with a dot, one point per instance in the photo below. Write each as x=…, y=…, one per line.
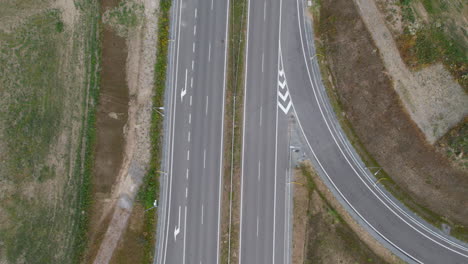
x=258, y=176
x=264, y=10
x=184, y=91
x=257, y=225
x=185, y=229
x=261, y=111
x=190, y=118
x=193, y=47
x=195, y=29
x=263, y=59
x=195, y=13
x=186, y=174
x=177, y=228
x=283, y=96
x=188, y=137
x=211, y=4
x=285, y=109
x=206, y=106
x=209, y=51
x=204, y=158
x=202, y=214
x=192, y=65
x=190, y=100
x=186, y=192
x=191, y=82
x=188, y=154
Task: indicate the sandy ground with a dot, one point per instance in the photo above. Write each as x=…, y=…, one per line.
x=434, y=100
x=140, y=72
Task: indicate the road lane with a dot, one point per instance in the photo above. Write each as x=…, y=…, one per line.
x=191, y=188
x=384, y=217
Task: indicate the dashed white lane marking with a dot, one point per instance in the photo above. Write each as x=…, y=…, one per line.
x=186, y=192
x=186, y=173
x=261, y=114
x=195, y=13
x=211, y=4
x=209, y=51
x=192, y=64
x=188, y=137
x=206, y=106
x=264, y=10
x=258, y=176
x=191, y=82
x=193, y=47
x=190, y=100
x=257, y=226
x=188, y=154
x=202, y=214
x=195, y=29
x=190, y=118
x=263, y=59
x=185, y=232
x=204, y=158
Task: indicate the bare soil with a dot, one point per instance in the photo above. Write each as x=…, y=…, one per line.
x=324, y=232
x=423, y=178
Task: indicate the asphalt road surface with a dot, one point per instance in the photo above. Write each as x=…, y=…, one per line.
x=264, y=226
x=384, y=217
x=191, y=182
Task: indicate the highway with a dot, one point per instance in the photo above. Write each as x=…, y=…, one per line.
x=407, y=235
x=189, y=209
x=264, y=223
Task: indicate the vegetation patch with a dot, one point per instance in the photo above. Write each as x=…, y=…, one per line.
x=149, y=191
x=122, y=18
x=49, y=84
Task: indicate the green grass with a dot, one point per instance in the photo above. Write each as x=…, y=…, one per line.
x=149, y=190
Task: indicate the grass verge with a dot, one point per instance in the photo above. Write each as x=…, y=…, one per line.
x=149, y=191
x=233, y=131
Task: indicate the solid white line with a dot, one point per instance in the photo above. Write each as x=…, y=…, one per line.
x=185, y=234
x=206, y=106
x=209, y=51
x=204, y=158
x=276, y=133
x=243, y=131
x=173, y=127
x=222, y=135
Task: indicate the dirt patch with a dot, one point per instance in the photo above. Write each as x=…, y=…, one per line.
x=383, y=132
x=434, y=100
x=119, y=174
x=324, y=232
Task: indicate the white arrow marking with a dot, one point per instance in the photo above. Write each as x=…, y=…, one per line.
x=285, y=96
x=177, y=228
x=281, y=72
x=184, y=91
x=285, y=110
